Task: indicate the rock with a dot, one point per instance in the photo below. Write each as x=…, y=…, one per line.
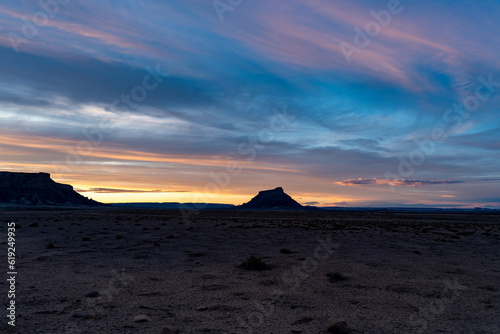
x=92, y=294
x=80, y=314
x=37, y=189
x=201, y=308
x=272, y=199
x=142, y=318
x=339, y=327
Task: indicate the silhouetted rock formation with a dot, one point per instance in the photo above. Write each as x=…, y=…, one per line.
x=272, y=199
x=38, y=189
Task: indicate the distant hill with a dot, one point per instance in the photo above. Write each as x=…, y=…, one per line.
x=38, y=189
x=274, y=199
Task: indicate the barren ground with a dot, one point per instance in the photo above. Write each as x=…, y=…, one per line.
x=405, y=272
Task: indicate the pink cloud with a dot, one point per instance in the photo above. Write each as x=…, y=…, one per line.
x=394, y=182
x=290, y=38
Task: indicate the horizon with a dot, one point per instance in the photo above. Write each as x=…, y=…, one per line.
x=387, y=104
x=378, y=206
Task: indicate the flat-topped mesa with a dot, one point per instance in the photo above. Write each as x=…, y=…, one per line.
x=38, y=189
x=277, y=190
x=272, y=199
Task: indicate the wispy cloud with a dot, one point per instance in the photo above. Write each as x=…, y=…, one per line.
x=226, y=78
x=395, y=182
x=114, y=191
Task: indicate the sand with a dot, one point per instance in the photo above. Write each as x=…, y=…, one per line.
x=404, y=272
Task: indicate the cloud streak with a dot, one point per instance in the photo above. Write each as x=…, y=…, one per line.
x=116, y=191
x=395, y=182
x=225, y=78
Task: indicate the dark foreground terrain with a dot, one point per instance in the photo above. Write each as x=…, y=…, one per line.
x=96, y=271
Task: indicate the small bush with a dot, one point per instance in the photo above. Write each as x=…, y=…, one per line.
x=336, y=276
x=254, y=263
x=285, y=251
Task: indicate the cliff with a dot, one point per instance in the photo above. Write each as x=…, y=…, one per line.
x=38, y=189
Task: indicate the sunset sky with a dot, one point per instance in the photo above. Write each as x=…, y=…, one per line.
x=342, y=103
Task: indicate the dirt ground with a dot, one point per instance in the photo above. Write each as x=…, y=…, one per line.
x=94, y=271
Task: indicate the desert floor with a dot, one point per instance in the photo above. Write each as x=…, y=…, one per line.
x=404, y=272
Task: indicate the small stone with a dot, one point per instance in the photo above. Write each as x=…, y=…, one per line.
x=80, y=314
x=92, y=294
x=339, y=327
x=142, y=318
x=202, y=308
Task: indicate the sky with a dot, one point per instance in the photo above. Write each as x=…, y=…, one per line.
x=341, y=103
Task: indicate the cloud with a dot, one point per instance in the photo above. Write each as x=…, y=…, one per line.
x=394, y=182
x=337, y=204
x=363, y=143
x=311, y=203
x=224, y=80
x=112, y=191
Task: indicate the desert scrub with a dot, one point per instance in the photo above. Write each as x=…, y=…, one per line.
x=254, y=263
x=335, y=276
x=285, y=251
